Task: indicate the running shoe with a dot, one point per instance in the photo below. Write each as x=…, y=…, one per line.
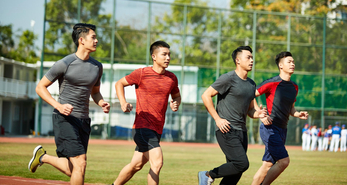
x=35, y=161
x=203, y=179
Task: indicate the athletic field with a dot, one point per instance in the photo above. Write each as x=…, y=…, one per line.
x=182, y=161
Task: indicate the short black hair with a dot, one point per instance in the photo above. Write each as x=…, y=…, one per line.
x=81, y=30
x=238, y=50
x=158, y=44
x=281, y=55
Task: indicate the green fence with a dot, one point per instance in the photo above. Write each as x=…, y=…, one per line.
x=205, y=37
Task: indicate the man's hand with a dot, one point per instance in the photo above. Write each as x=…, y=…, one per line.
x=174, y=105
x=262, y=112
x=65, y=109
x=303, y=115
x=127, y=107
x=263, y=115
x=266, y=120
x=105, y=107
x=223, y=125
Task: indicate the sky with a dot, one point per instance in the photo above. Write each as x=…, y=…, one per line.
x=21, y=14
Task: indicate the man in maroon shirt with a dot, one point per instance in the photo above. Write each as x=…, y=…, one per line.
x=153, y=87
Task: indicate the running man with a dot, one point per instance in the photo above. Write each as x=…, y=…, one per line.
x=153, y=87
x=280, y=94
x=79, y=76
x=236, y=93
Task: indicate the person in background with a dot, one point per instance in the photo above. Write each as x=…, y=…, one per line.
x=304, y=136
x=336, y=133
x=327, y=137
x=343, y=138
x=314, y=137
x=320, y=139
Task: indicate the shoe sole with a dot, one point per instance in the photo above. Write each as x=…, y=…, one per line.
x=199, y=180
x=34, y=154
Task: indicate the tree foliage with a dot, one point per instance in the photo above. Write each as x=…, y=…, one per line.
x=24, y=50
x=198, y=34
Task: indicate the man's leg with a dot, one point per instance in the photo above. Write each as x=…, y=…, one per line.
x=336, y=144
x=155, y=157
x=79, y=164
x=230, y=180
x=62, y=164
x=234, y=146
x=332, y=142
x=276, y=170
x=313, y=144
x=261, y=173
x=343, y=144
x=308, y=141
x=136, y=164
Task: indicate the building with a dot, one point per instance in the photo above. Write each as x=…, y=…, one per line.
x=17, y=96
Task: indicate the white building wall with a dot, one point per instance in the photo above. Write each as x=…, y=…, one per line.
x=16, y=95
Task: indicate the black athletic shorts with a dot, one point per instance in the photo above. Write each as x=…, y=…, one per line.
x=145, y=139
x=71, y=135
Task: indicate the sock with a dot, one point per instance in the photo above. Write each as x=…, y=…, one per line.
x=40, y=160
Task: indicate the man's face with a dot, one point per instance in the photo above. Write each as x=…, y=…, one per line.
x=90, y=41
x=287, y=65
x=245, y=60
x=161, y=57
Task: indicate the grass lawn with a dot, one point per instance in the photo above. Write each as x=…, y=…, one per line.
x=181, y=164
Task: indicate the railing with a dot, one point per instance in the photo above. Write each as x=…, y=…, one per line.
x=17, y=88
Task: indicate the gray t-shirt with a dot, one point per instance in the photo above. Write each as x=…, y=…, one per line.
x=234, y=97
x=76, y=79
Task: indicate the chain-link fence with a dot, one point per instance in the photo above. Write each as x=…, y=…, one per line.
x=205, y=37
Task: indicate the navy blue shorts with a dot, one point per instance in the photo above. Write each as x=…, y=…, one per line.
x=274, y=139
x=145, y=139
x=71, y=135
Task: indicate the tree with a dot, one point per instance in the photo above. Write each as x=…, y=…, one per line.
x=26, y=47
x=62, y=15
x=6, y=40
x=24, y=51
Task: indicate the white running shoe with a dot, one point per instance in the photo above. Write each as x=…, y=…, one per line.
x=203, y=179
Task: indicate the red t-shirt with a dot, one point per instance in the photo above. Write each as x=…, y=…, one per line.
x=152, y=93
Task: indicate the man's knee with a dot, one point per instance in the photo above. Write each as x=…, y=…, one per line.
x=157, y=165
x=138, y=166
x=244, y=166
x=283, y=163
x=79, y=163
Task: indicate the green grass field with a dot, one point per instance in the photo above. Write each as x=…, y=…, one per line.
x=181, y=165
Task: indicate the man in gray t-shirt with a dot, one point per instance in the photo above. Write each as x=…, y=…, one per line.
x=79, y=76
x=234, y=97
x=236, y=93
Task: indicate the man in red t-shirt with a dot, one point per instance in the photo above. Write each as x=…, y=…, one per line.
x=153, y=86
